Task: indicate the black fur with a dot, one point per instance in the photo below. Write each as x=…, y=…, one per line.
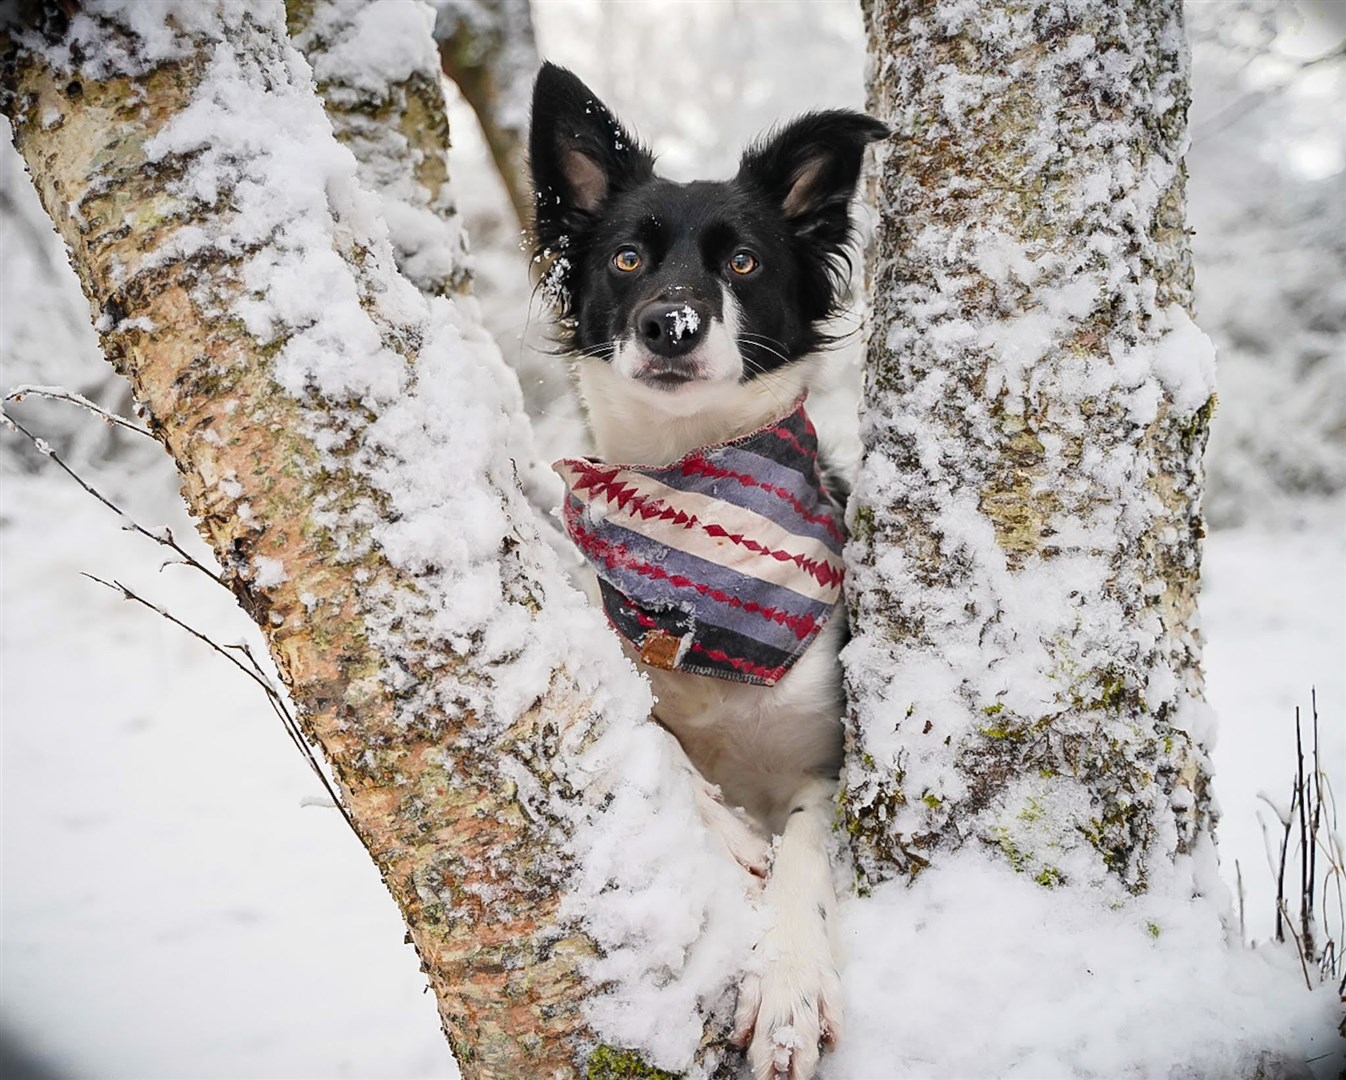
x=789, y=207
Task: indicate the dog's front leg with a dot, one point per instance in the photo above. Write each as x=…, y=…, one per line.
x=793, y=1001
x=749, y=847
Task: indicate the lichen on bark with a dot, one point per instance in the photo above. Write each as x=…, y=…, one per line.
x=1026, y=540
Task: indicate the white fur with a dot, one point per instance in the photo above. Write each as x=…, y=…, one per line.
x=633, y=422
x=716, y=361
x=769, y=750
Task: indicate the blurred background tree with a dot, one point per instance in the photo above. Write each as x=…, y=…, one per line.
x=1268, y=206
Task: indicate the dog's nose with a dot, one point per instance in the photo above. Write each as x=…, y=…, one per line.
x=671, y=327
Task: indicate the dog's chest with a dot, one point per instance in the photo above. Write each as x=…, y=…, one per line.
x=759, y=743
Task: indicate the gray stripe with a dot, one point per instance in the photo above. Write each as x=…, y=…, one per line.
x=764, y=471
x=649, y=591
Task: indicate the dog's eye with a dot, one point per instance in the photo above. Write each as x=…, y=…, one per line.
x=743, y=262
x=627, y=259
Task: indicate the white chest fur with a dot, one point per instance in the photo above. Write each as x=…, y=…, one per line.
x=759, y=743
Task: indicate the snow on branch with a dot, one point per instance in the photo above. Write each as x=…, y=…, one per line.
x=377, y=71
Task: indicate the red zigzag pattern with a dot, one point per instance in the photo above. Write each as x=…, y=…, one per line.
x=628, y=496
x=614, y=555
x=699, y=464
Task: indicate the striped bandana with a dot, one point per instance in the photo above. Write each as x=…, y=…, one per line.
x=725, y=563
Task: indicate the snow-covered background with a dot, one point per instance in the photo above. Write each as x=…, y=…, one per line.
x=177, y=901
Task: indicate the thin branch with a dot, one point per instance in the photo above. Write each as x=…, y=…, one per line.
x=1302, y=812
x=1243, y=929
x=1316, y=817
x=163, y=536
x=1334, y=880
x=1247, y=104
x=253, y=670
x=60, y=393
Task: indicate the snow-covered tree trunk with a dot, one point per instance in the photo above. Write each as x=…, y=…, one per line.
x=487, y=48
x=390, y=114
x=349, y=447
x=1026, y=529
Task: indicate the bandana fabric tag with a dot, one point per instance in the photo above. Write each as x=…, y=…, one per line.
x=726, y=563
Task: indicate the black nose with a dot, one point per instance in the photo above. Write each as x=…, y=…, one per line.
x=671, y=327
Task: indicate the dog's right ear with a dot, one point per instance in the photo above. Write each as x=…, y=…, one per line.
x=580, y=155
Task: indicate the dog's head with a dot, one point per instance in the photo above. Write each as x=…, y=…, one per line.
x=686, y=288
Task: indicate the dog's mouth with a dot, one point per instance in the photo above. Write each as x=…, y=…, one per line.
x=666, y=380
x=668, y=376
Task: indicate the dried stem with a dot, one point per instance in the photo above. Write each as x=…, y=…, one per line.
x=253, y=670
x=163, y=536
x=1303, y=964
x=1313, y=808
x=1243, y=926
x=1285, y=848
x=1305, y=937
x=60, y=393
x=1311, y=855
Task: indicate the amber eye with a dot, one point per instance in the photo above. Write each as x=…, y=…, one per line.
x=743, y=262
x=626, y=260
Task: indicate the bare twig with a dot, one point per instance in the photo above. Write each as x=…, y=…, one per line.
x=60, y=393
x=1280, y=875
x=1243, y=929
x=162, y=536
x=1305, y=843
x=253, y=670
x=1334, y=880
x=1313, y=808
x=1247, y=104
x=1315, y=819
x=1303, y=964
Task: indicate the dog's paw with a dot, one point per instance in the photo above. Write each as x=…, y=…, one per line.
x=749, y=847
x=785, y=1014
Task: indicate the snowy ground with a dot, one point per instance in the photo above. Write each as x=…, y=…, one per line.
x=1274, y=608
x=172, y=908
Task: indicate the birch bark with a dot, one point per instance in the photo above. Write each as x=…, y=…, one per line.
x=1027, y=527
x=348, y=449
x=392, y=118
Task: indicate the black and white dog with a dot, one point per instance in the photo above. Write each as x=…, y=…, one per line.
x=694, y=313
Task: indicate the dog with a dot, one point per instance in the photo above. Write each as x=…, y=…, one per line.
x=695, y=316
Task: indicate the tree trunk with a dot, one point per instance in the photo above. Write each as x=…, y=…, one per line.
x=395, y=125
x=1026, y=528
x=348, y=449
x=487, y=48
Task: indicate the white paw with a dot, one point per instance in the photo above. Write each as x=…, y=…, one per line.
x=749, y=847
x=785, y=1013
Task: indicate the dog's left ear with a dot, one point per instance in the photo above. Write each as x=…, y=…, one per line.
x=809, y=168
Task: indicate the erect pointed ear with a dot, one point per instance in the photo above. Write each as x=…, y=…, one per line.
x=809, y=169
x=579, y=153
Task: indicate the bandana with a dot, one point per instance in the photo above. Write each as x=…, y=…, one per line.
x=725, y=563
